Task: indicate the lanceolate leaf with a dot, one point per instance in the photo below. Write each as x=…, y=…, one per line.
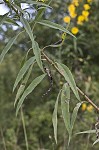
x=29, y=89
x=3, y=18
x=35, y=46
x=74, y=114
x=23, y=70
x=54, y=118
x=65, y=107
x=97, y=141
x=23, y=84
x=7, y=47
x=87, y=132
x=69, y=78
x=54, y=26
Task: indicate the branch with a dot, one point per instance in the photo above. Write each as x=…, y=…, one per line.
x=79, y=90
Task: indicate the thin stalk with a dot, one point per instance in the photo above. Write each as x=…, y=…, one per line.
x=79, y=90
x=24, y=128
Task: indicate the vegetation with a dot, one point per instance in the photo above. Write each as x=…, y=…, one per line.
x=49, y=81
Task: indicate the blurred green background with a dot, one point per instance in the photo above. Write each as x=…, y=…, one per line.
x=81, y=56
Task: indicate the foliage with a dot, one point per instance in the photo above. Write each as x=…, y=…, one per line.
x=77, y=55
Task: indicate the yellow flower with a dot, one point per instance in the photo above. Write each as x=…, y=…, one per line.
x=71, y=8
x=75, y=2
x=79, y=22
x=73, y=14
x=90, y=108
x=86, y=7
x=81, y=18
x=75, y=30
x=66, y=19
x=84, y=106
x=89, y=1
x=85, y=13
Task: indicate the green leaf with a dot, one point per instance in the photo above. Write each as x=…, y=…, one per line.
x=23, y=70
x=74, y=114
x=87, y=132
x=54, y=118
x=97, y=141
x=35, y=46
x=10, y=21
x=37, y=53
x=54, y=26
x=69, y=78
x=65, y=106
x=23, y=84
x=3, y=18
x=7, y=47
x=29, y=89
x=27, y=28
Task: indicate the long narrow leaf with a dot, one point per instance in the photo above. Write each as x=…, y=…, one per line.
x=74, y=114
x=23, y=84
x=3, y=18
x=54, y=118
x=69, y=78
x=29, y=89
x=87, y=132
x=54, y=26
x=65, y=107
x=35, y=46
x=23, y=71
x=7, y=48
x=97, y=141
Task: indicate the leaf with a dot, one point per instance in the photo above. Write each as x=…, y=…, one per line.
x=3, y=18
x=54, y=26
x=29, y=89
x=35, y=46
x=74, y=114
x=69, y=78
x=7, y=48
x=37, y=53
x=54, y=118
x=65, y=106
x=23, y=84
x=27, y=28
x=87, y=132
x=23, y=71
x=10, y=21
x=96, y=142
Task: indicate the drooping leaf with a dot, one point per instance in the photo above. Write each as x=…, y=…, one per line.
x=7, y=47
x=23, y=70
x=10, y=21
x=69, y=78
x=37, y=53
x=65, y=97
x=97, y=141
x=23, y=84
x=54, y=26
x=35, y=45
x=54, y=118
x=87, y=132
x=28, y=90
x=74, y=114
x=3, y=18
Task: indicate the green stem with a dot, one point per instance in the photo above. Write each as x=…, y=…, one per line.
x=24, y=128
